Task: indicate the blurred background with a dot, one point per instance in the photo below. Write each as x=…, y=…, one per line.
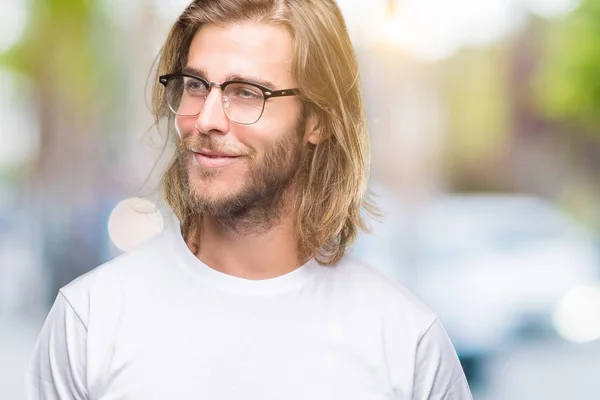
x=485, y=126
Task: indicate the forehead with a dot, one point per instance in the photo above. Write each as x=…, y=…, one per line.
x=246, y=49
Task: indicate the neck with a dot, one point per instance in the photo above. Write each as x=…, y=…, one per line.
x=268, y=251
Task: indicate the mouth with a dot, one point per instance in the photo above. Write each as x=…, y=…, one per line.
x=213, y=159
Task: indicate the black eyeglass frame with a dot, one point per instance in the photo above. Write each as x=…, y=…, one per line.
x=267, y=93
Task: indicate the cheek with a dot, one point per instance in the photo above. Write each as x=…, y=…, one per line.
x=254, y=137
x=184, y=125
x=263, y=134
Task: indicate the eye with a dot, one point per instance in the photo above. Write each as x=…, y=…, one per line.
x=194, y=86
x=245, y=92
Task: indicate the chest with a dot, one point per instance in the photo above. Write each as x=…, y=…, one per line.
x=252, y=352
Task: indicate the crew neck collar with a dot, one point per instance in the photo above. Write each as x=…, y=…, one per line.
x=278, y=285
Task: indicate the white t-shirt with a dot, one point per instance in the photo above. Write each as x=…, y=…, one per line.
x=156, y=323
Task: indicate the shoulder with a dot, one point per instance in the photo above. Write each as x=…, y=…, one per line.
x=420, y=356
x=386, y=298
x=130, y=272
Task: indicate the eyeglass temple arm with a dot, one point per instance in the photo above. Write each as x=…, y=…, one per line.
x=281, y=93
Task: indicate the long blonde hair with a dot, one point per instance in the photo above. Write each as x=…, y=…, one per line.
x=333, y=190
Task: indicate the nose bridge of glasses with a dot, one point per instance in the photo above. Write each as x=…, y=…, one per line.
x=215, y=85
x=224, y=98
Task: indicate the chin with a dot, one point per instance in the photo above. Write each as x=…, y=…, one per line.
x=216, y=183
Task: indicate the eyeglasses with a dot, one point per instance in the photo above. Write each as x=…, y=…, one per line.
x=243, y=102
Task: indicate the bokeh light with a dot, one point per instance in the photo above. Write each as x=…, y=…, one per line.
x=552, y=8
x=19, y=134
x=577, y=315
x=13, y=21
x=132, y=222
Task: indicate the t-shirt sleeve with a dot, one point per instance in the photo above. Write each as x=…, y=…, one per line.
x=438, y=373
x=57, y=369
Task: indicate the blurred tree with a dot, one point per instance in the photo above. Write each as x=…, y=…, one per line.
x=64, y=54
x=475, y=85
x=567, y=92
x=567, y=87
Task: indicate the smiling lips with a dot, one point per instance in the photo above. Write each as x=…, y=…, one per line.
x=213, y=159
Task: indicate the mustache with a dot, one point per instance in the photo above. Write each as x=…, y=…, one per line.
x=209, y=143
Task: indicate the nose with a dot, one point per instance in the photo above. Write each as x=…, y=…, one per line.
x=212, y=118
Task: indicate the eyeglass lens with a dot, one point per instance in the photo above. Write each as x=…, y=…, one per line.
x=243, y=103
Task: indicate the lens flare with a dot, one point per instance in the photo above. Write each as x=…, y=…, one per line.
x=577, y=315
x=132, y=222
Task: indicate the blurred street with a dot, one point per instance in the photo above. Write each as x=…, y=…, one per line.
x=17, y=338
x=548, y=370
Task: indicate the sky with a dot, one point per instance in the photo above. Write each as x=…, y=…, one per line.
x=431, y=30
x=427, y=30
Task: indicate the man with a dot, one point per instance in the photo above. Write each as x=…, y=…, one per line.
x=250, y=295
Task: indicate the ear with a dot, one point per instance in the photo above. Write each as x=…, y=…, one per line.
x=312, y=132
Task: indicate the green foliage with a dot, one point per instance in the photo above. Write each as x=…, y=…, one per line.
x=478, y=109
x=58, y=50
x=567, y=87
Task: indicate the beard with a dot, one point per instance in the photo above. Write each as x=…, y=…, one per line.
x=260, y=203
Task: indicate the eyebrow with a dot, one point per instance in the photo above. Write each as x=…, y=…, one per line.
x=232, y=77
